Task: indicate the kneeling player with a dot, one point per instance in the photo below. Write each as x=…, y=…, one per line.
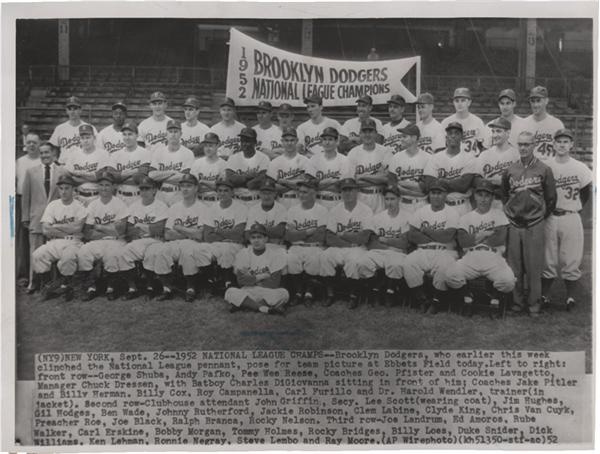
x=258, y=271
x=482, y=235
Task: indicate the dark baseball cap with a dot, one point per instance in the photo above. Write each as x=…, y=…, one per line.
x=105, y=174
x=500, y=122
x=66, y=179
x=86, y=129
x=538, y=92
x=316, y=99
x=158, y=96
x=348, y=183
x=485, y=185
x=227, y=102
x=285, y=108
x=211, y=137
x=192, y=101
x=454, y=125
x=397, y=99
x=564, y=133
x=411, y=130
x=173, y=124
x=289, y=131
x=144, y=181
x=265, y=105
x=438, y=185
x=258, y=228
x=188, y=178
x=507, y=93
x=224, y=182
x=309, y=182
x=268, y=185
x=369, y=123
x=393, y=189
x=130, y=125
x=425, y=98
x=330, y=132
x=462, y=92
x=119, y=105
x=248, y=133
x=73, y=101
x=366, y=99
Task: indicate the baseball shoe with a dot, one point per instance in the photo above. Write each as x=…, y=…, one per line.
x=233, y=309
x=131, y=294
x=190, y=295
x=328, y=301
x=308, y=299
x=111, y=295
x=165, y=296
x=545, y=302
x=275, y=310
x=570, y=303
x=295, y=299
x=90, y=294
x=433, y=307
x=353, y=301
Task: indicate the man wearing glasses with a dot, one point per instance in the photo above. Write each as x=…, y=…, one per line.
x=66, y=135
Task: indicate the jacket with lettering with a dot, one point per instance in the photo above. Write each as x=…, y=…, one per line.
x=529, y=193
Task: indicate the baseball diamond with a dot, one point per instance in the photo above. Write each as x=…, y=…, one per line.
x=194, y=220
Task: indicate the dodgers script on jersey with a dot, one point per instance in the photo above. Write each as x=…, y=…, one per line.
x=130, y=160
x=309, y=134
x=285, y=168
x=327, y=169
x=192, y=136
x=426, y=218
x=302, y=219
x=363, y=163
x=99, y=213
x=229, y=137
x=141, y=216
x=88, y=163
x=227, y=218
x=165, y=160
x=66, y=137
x=194, y=215
x=409, y=167
x=241, y=165
x=543, y=132
x=57, y=213
x=208, y=171
x=474, y=223
x=153, y=132
x=474, y=130
x=433, y=136
x=391, y=136
x=492, y=163
x=569, y=178
x=443, y=165
x=110, y=139
x=340, y=220
x=257, y=215
x=267, y=139
x=387, y=226
x=351, y=127
x=271, y=261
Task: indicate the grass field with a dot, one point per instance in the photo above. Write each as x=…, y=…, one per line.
x=139, y=325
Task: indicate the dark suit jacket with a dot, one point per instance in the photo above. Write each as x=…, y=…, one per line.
x=34, y=200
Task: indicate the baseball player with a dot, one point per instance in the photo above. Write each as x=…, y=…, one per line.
x=387, y=250
x=541, y=123
x=406, y=169
x=474, y=130
x=104, y=231
x=110, y=138
x=432, y=231
x=153, y=130
x=183, y=242
x=529, y=194
x=492, y=162
x=351, y=127
x=305, y=231
x=269, y=213
x=367, y=163
x=389, y=131
x=482, y=237
x=349, y=226
x=208, y=168
x=169, y=163
x=83, y=163
x=258, y=271
x=228, y=129
x=455, y=168
x=225, y=231
x=289, y=168
x=65, y=136
x=507, y=101
x=62, y=224
x=145, y=226
x=192, y=130
x=268, y=135
x=309, y=132
x=433, y=136
x=285, y=116
x=329, y=167
x=129, y=162
x=247, y=170
x=563, y=229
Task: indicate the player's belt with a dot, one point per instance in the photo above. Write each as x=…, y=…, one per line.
x=331, y=198
x=302, y=244
x=481, y=247
x=108, y=238
x=371, y=191
x=208, y=198
x=562, y=213
x=432, y=246
x=289, y=195
x=69, y=237
x=169, y=188
x=128, y=193
x=411, y=200
x=454, y=203
x=247, y=198
x=87, y=194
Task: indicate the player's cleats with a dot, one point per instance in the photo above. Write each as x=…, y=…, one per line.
x=111, y=295
x=328, y=301
x=90, y=294
x=190, y=295
x=433, y=307
x=131, y=294
x=165, y=295
x=353, y=303
x=570, y=303
x=308, y=299
x=495, y=303
x=296, y=299
x=545, y=302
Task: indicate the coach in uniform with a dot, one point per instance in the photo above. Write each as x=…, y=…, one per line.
x=153, y=130
x=208, y=168
x=329, y=167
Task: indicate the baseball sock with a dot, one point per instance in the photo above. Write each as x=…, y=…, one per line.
x=571, y=287
x=130, y=277
x=164, y=281
x=547, y=285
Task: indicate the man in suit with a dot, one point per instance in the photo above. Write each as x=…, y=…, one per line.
x=39, y=189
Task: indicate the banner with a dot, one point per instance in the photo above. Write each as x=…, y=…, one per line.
x=259, y=72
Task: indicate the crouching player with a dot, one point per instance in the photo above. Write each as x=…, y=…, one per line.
x=482, y=235
x=433, y=232
x=258, y=271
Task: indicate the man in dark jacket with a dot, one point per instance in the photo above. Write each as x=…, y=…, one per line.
x=529, y=198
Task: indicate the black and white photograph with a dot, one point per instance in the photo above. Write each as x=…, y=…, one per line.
x=293, y=227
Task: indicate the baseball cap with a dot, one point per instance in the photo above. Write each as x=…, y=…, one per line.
x=289, y=131
x=316, y=99
x=65, y=179
x=538, y=92
x=393, y=189
x=265, y=105
x=86, y=129
x=454, y=125
x=485, y=185
x=500, y=122
x=223, y=182
x=425, y=98
x=119, y=105
x=192, y=101
x=258, y=228
x=188, y=178
x=411, y=130
x=173, y=124
x=397, y=99
x=369, y=123
x=268, y=185
x=157, y=96
x=105, y=174
x=462, y=92
x=248, y=133
x=507, y=93
x=366, y=99
x=211, y=137
x=330, y=132
x=439, y=185
x=144, y=181
x=285, y=108
x=227, y=102
x=564, y=132
x=73, y=101
x=130, y=126
x=348, y=183
x=309, y=182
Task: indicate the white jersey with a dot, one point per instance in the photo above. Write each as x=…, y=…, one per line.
x=57, y=213
x=543, y=132
x=129, y=160
x=492, y=163
x=324, y=168
x=391, y=136
x=208, y=172
x=81, y=161
x=270, y=261
x=267, y=139
x=142, y=216
x=351, y=128
x=309, y=134
x=474, y=130
x=229, y=137
x=569, y=177
x=227, y=218
x=179, y=160
x=110, y=139
x=192, y=136
x=426, y=218
x=442, y=165
x=407, y=167
x=24, y=163
x=285, y=168
x=271, y=218
x=474, y=222
x=99, y=213
x=363, y=163
x=302, y=219
x=517, y=126
x=195, y=215
x=241, y=165
x=66, y=137
x=433, y=136
x=153, y=132
x=387, y=226
x=340, y=220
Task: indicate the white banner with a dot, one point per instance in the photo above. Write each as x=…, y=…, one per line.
x=259, y=72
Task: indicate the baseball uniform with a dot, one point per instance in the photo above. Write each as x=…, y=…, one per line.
x=362, y=163
x=192, y=136
x=543, y=132
x=482, y=260
x=391, y=136
x=409, y=170
x=564, y=230
x=208, y=172
x=309, y=134
x=64, y=250
x=432, y=257
x=275, y=216
x=82, y=161
x=351, y=127
x=474, y=130
x=285, y=168
x=226, y=219
x=153, y=132
x=123, y=160
x=241, y=165
x=66, y=137
x=165, y=160
x=267, y=139
x=304, y=255
x=491, y=163
x=329, y=170
x=110, y=140
x=230, y=142
x=433, y=136
x=106, y=249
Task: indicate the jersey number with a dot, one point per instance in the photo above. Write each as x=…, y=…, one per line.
x=571, y=193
